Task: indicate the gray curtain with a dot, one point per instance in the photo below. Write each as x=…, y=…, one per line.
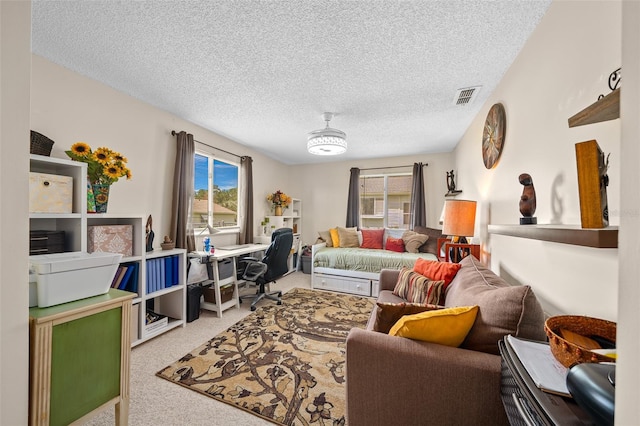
x=353, y=202
x=246, y=200
x=418, y=208
x=183, y=185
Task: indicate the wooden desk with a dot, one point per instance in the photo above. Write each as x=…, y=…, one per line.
x=79, y=358
x=220, y=255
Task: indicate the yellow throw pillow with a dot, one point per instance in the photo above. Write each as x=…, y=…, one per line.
x=443, y=326
x=335, y=238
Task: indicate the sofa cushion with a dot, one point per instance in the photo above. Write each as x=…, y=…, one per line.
x=503, y=309
x=348, y=237
x=442, y=326
x=413, y=241
x=431, y=245
x=393, y=233
x=372, y=238
x=335, y=237
x=326, y=237
x=387, y=314
x=437, y=270
x=416, y=288
x=395, y=244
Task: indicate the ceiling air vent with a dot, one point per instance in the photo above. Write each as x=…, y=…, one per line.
x=466, y=96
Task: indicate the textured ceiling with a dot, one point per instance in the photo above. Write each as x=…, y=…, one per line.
x=262, y=72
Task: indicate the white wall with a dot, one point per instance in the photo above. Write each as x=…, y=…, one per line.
x=68, y=107
x=324, y=189
x=15, y=57
x=628, y=334
x=563, y=68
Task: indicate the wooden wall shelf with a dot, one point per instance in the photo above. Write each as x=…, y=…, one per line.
x=605, y=109
x=565, y=234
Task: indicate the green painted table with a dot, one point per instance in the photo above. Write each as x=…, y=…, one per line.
x=79, y=358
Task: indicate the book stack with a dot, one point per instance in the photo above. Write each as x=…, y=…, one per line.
x=154, y=321
x=163, y=272
x=126, y=277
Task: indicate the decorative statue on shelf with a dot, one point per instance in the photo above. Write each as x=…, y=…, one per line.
x=527, y=200
x=451, y=183
x=150, y=235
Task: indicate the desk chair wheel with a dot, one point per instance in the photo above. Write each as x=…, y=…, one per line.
x=279, y=302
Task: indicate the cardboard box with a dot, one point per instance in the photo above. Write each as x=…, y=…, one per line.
x=65, y=277
x=110, y=239
x=50, y=193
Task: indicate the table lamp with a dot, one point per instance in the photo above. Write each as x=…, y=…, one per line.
x=459, y=222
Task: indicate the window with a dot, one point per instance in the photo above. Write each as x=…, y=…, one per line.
x=385, y=201
x=215, y=201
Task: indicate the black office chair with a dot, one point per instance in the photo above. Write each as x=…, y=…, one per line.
x=273, y=265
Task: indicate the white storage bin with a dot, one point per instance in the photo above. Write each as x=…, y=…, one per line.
x=50, y=193
x=65, y=277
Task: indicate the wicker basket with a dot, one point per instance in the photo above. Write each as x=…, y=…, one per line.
x=569, y=353
x=40, y=144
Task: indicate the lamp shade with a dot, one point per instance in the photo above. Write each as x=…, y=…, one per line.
x=459, y=218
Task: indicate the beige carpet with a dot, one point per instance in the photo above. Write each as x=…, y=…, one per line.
x=155, y=401
x=284, y=363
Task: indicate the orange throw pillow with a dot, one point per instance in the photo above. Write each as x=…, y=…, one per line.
x=372, y=238
x=436, y=270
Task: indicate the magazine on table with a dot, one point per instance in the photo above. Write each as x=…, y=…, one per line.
x=545, y=370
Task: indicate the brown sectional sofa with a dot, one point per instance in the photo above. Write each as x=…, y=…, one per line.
x=398, y=381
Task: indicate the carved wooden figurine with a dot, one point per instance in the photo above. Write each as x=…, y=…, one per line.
x=527, y=200
x=150, y=235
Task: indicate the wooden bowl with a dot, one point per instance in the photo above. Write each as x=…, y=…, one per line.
x=570, y=354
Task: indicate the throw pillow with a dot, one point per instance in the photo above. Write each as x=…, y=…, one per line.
x=335, y=238
x=348, y=237
x=387, y=314
x=416, y=288
x=437, y=270
x=395, y=244
x=431, y=246
x=326, y=237
x=391, y=232
x=504, y=309
x=413, y=241
x=372, y=238
x=442, y=326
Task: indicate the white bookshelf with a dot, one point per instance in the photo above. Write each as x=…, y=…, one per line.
x=169, y=301
x=293, y=220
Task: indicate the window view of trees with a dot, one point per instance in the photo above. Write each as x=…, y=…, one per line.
x=385, y=201
x=215, y=192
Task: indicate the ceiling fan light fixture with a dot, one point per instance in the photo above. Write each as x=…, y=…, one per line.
x=327, y=141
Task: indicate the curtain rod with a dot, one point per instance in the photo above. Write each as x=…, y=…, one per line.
x=393, y=167
x=174, y=133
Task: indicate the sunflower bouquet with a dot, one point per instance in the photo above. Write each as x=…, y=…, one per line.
x=104, y=166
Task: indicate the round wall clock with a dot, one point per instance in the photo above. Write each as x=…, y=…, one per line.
x=495, y=127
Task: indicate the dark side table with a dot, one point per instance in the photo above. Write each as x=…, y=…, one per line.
x=526, y=405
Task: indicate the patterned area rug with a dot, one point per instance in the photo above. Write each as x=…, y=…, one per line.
x=283, y=363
